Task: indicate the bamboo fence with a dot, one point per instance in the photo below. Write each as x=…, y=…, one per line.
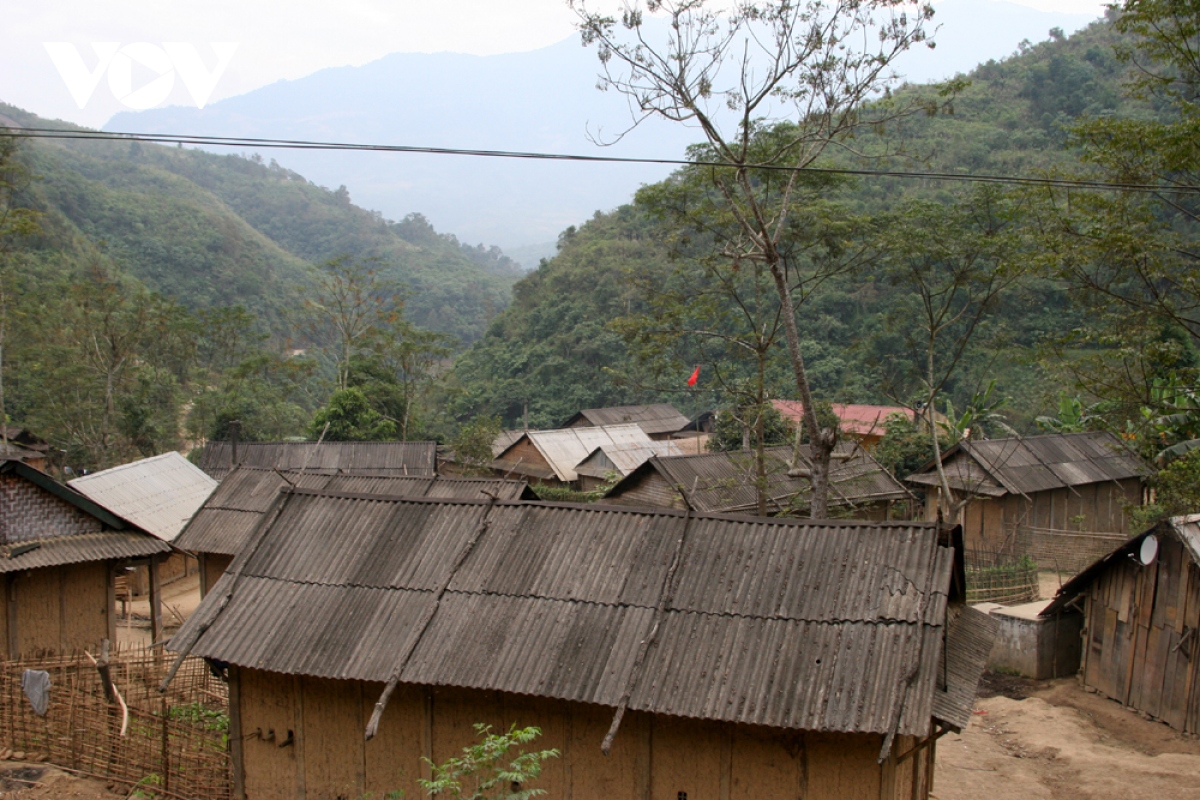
x=175, y=745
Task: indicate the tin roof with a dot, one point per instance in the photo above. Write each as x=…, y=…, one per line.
x=624, y=458
x=788, y=623
x=1024, y=465
x=59, y=550
x=725, y=481
x=564, y=448
x=857, y=419
x=381, y=458
x=654, y=419
x=224, y=523
x=158, y=494
x=1186, y=529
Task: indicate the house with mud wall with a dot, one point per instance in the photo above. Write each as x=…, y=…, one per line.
x=1061, y=499
x=59, y=556
x=226, y=521
x=666, y=654
x=1141, y=619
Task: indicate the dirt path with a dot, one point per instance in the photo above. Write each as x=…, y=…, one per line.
x=179, y=600
x=1062, y=743
x=20, y=781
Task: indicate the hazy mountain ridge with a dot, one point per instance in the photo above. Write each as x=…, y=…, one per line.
x=541, y=100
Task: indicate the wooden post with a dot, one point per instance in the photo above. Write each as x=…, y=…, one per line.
x=155, y=601
x=235, y=733
x=166, y=748
x=14, y=650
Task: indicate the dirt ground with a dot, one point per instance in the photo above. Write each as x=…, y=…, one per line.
x=179, y=600
x=1050, y=739
x=21, y=781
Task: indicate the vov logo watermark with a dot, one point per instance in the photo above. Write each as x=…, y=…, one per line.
x=164, y=62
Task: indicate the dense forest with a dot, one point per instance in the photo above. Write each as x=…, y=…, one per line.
x=153, y=295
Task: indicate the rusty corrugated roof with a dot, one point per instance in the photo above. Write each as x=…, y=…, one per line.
x=59, y=550
x=787, y=623
x=654, y=418
x=363, y=458
x=725, y=481
x=158, y=494
x=1028, y=464
x=224, y=522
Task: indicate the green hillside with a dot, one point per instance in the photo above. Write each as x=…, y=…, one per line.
x=212, y=230
x=559, y=335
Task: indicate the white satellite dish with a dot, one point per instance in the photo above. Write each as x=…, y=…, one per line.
x=1149, y=550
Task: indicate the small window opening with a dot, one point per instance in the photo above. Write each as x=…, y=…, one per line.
x=681, y=796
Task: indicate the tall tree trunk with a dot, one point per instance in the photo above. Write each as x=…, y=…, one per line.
x=821, y=442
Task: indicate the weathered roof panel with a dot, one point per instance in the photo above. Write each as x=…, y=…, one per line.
x=724, y=482
x=787, y=623
x=968, y=645
x=564, y=448
x=625, y=458
x=380, y=458
x=158, y=494
x=61, y=550
x=654, y=419
x=223, y=523
x=1024, y=465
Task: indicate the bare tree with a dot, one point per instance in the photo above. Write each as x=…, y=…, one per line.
x=955, y=264
x=735, y=73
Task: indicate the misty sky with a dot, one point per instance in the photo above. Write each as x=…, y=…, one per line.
x=275, y=39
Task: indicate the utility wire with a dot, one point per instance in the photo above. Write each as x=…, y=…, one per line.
x=300, y=144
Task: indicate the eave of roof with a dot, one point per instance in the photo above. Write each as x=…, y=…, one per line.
x=60, y=550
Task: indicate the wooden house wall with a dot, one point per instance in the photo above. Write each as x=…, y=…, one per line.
x=171, y=567
x=212, y=567
x=59, y=609
x=299, y=737
x=652, y=489
x=1136, y=621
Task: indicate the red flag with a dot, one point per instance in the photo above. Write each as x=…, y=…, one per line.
x=695, y=377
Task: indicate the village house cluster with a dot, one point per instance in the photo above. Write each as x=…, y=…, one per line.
x=368, y=603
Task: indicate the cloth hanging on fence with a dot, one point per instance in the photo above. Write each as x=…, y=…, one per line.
x=36, y=683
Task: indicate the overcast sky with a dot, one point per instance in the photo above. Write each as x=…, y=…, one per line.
x=276, y=39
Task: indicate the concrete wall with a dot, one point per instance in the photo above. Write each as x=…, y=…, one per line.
x=303, y=738
x=58, y=609
x=1035, y=647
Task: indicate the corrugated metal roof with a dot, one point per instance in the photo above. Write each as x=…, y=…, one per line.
x=968, y=645
x=224, y=522
x=563, y=448
x=379, y=458
x=857, y=419
x=505, y=440
x=1024, y=465
x=60, y=550
x=787, y=623
x=725, y=481
x=625, y=458
x=655, y=418
x=158, y=494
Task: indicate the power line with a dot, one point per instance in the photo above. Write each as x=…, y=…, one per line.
x=300, y=144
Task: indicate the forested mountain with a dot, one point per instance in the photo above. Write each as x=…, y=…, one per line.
x=210, y=231
x=559, y=346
